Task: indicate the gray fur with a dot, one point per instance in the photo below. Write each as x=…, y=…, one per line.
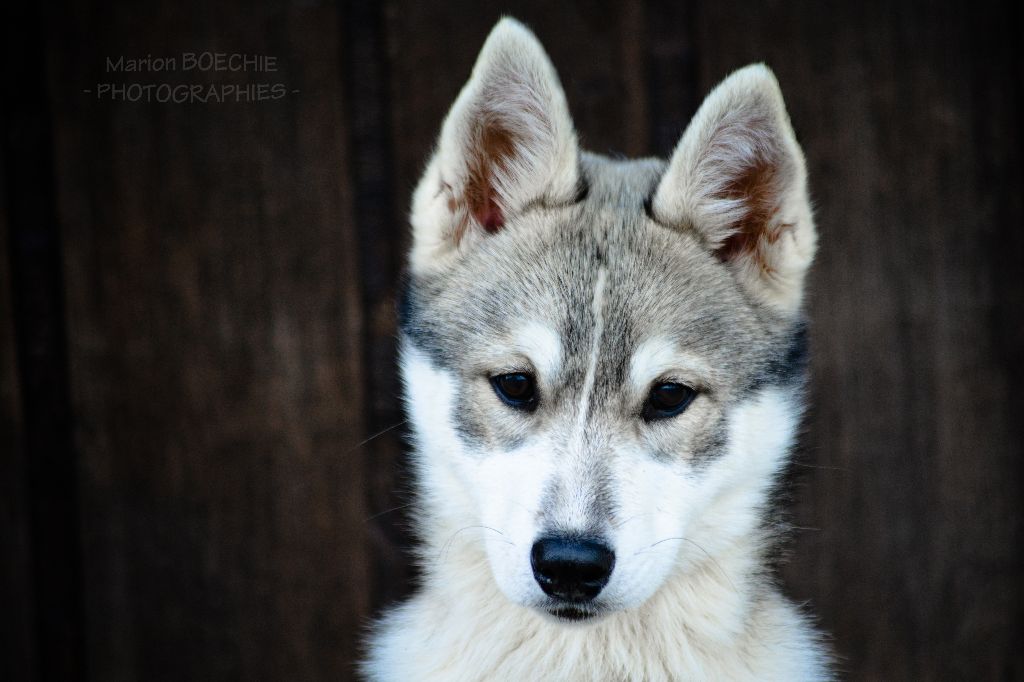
x=602, y=278
x=661, y=280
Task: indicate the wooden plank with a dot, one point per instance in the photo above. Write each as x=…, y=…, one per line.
x=214, y=325
x=908, y=118
x=670, y=70
x=381, y=225
x=17, y=627
x=42, y=503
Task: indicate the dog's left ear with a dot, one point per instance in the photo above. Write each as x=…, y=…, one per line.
x=507, y=142
x=738, y=178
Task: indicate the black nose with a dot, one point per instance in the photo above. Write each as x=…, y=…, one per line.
x=571, y=568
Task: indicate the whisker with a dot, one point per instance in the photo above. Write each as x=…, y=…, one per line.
x=388, y=511
x=622, y=523
x=489, y=528
x=446, y=548
x=651, y=546
x=821, y=466
x=377, y=435
x=712, y=559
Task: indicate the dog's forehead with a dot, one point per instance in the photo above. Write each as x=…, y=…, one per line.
x=543, y=282
x=658, y=282
x=619, y=282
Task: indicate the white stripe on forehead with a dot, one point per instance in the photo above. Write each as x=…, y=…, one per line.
x=597, y=311
x=541, y=345
x=660, y=356
x=574, y=511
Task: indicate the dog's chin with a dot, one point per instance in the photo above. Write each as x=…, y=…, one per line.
x=572, y=614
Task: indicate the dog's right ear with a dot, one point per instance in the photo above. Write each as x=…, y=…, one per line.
x=507, y=142
x=738, y=178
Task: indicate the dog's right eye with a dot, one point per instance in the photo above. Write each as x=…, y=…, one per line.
x=667, y=399
x=517, y=390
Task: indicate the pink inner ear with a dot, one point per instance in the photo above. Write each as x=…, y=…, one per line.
x=496, y=145
x=489, y=215
x=760, y=187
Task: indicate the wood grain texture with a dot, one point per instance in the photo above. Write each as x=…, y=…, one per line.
x=17, y=626
x=380, y=219
x=43, y=545
x=219, y=280
x=214, y=323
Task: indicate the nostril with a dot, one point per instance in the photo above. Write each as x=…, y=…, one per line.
x=571, y=568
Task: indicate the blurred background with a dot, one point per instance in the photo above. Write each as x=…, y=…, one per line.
x=200, y=426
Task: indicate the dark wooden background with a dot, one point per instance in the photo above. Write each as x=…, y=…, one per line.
x=197, y=328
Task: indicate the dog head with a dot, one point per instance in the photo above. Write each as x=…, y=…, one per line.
x=602, y=358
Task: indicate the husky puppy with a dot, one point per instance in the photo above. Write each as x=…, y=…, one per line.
x=603, y=363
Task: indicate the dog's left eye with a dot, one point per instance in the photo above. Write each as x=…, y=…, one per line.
x=518, y=390
x=667, y=399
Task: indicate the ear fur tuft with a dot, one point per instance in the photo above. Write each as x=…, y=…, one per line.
x=738, y=178
x=508, y=141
